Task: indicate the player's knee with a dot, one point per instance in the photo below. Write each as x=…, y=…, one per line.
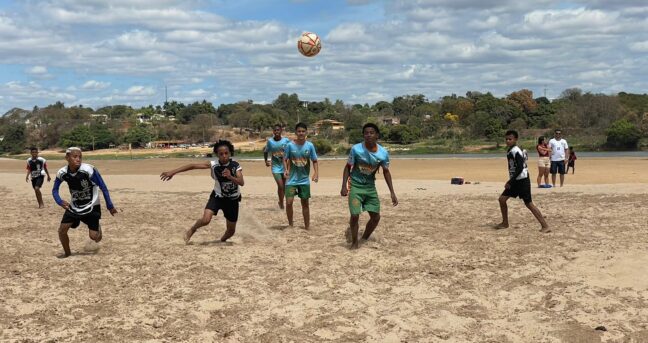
x=205, y=220
x=375, y=217
x=305, y=203
x=502, y=200
x=95, y=236
x=63, y=229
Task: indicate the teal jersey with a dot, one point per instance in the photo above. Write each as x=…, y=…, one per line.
x=364, y=164
x=276, y=150
x=299, y=157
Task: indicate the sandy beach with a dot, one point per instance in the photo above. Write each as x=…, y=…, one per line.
x=435, y=270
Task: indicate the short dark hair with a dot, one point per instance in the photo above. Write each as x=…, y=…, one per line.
x=371, y=125
x=33, y=148
x=277, y=125
x=557, y=130
x=540, y=139
x=512, y=133
x=302, y=125
x=225, y=143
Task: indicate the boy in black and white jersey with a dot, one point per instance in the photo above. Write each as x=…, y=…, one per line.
x=36, y=170
x=226, y=195
x=519, y=184
x=84, y=182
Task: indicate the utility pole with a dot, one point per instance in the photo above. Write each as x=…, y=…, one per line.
x=166, y=94
x=545, y=91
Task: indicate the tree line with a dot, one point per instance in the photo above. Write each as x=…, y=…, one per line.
x=621, y=118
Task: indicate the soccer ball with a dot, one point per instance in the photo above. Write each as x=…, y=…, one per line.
x=309, y=44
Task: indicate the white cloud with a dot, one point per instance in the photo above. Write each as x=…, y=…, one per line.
x=37, y=70
x=95, y=85
x=140, y=91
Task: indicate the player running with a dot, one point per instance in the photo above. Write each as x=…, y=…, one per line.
x=297, y=161
x=37, y=169
x=226, y=195
x=84, y=182
x=275, y=148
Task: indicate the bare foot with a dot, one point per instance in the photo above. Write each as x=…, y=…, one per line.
x=355, y=245
x=545, y=230
x=500, y=226
x=41, y=206
x=63, y=255
x=188, y=234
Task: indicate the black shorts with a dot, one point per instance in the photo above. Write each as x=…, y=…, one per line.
x=38, y=181
x=521, y=189
x=230, y=207
x=557, y=167
x=91, y=219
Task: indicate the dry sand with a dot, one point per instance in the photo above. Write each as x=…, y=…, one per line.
x=434, y=272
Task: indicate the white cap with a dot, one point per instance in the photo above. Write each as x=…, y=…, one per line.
x=72, y=148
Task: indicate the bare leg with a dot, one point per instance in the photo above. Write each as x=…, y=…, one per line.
x=573, y=168
x=353, y=225
x=374, y=219
x=540, y=173
x=95, y=235
x=539, y=217
x=39, y=197
x=546, y=175
x=553, y=179
x=281, y=189
x=206, y=218
x=230, y=230
x=562, y=179
x=306, y=213
x=504, y=208
x=289, y=210
x=65, y=240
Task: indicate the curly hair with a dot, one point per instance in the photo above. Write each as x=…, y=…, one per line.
x=225, y=143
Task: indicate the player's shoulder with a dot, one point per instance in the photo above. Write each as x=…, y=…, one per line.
x=41, y=159
x=213, y=163
x=62, y=172
x=234, y=163
x=87, y=168
x=382, y=149
x=515, y=150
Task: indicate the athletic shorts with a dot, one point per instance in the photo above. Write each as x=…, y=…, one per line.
x=363, y=199
x=544, y=162
x=278, y=176
x=557, y=167
x=38, y=181
x=302, y=191
x=519, y=189
x=91, y=219
x=230, y=207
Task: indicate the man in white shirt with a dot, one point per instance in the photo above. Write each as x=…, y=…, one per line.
x=559, y=153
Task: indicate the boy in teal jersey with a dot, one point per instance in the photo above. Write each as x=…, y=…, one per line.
x=364, y=160
x=297, y=159
x=275, y=147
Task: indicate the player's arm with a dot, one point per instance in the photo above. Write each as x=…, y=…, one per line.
x=345, y=179
x=519, y=167
x=237, y=179
x=315, y=164
x=168, y=175
x=265, y=155
x=57, y=197
x=98, y=180
x=286, y=162
x=388, y=180
x=47, y=172
x=27, y=176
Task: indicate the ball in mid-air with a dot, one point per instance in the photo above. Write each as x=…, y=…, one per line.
x=309, y=44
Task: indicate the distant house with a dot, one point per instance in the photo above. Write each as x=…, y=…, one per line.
x=143, y=118
x=327, y=123
x=390, y=121
x=102, y=118
x=305, y=103
x=165, y=144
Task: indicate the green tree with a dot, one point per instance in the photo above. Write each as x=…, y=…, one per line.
x=13, y=141
x=80, y=136
x=404, y=134
x=323, y=146
x=139, y=136
x=623, y=134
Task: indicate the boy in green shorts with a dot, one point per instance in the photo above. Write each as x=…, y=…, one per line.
x=364, y=160
x=297, y=158
x=275, y=147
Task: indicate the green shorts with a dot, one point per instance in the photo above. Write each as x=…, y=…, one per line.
x=303, y=191
x=363, y=199
x=278, y=176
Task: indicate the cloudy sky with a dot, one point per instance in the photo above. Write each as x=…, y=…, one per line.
x=96, y=52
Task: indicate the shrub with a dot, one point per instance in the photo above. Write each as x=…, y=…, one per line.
x=623, y=134
x=322, y=146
